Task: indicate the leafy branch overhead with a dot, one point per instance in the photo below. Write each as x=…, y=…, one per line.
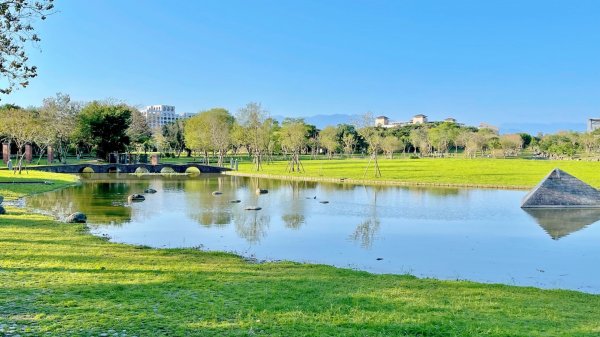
x=16, y=30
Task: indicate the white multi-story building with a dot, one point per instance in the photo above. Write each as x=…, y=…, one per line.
x=159, y=115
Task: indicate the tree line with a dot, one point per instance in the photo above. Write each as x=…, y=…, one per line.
x=100, y=127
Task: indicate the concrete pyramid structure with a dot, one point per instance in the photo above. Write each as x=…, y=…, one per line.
x=560, y=190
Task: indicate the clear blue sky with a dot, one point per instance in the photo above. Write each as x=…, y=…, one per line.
x=477, y=61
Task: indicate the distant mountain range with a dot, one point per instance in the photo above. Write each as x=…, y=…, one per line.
x=321, y=121
x=535, y=128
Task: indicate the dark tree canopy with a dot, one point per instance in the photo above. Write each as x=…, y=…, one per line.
x=16, y=29
x=106, y=126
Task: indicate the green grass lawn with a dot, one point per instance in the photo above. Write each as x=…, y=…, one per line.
x=11, y=190
x=510, y=173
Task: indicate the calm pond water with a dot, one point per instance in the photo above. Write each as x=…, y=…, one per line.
x=472, y=234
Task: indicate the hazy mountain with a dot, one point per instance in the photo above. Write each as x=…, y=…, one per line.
x=535, y=128
x=321, y=121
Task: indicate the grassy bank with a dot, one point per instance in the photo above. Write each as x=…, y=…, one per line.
x=57, y=280
x=14, y=185
x=507, y=173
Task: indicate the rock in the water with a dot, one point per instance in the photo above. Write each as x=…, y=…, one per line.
x=149, y=190
x=217, y=193
x=76, y=217
x=259, y=191
x=235, y=201
x=136, y=197
x=253, y=208
x=324, y=201
x=2, y=210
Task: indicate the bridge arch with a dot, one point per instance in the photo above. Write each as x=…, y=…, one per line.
x=192, y=170
x=167, y=170
x=112, y=169
x=86, y=169
x=141, y=170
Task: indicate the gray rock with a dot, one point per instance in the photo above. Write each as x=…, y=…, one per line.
x=259, y=191
x=76, y=217
x=324, y=202
x=253, y=208
x=2, y=210
x=149, y=190
x=235, y=201
x=217, y=193
x=136, y=198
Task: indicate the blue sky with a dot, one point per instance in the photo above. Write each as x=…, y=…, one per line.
x=478, y=61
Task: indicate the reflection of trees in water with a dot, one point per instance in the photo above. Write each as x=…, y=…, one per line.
x=293, y=221
x=95, y=199
x=210, y=218
x=251, y=225
x=205, y=208
x=366, y=230
x=294, y=217
x=436, y=191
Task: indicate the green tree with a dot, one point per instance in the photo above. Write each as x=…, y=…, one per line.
x=294, y=134
x=329, y=137
x=391, y=144
x=19, y=127
x=373, y=138
x=257, y=127
x=139, y=132
x=16, y=30
x=210, y=131
x=59, y=114
x=105, y=125
x=172, y=137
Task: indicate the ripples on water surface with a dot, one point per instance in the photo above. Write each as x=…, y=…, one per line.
x=473, y=234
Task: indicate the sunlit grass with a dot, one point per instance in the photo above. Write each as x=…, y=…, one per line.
x=512, y=173
x=12, y=186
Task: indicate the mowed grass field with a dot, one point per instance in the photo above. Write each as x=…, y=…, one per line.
x=12, y=184
x=507, y=173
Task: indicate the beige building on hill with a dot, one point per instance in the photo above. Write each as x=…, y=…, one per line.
x=419, y=119
x=384, y=121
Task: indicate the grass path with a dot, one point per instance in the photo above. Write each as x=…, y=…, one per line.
x=499, y=173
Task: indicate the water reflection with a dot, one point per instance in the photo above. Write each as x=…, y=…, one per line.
x=447, y=233
x=367, y=229
x=293, y=216
x=559, y=223
x=251, y=225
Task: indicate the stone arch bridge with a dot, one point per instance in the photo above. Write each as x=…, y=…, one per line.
x=129, y=168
